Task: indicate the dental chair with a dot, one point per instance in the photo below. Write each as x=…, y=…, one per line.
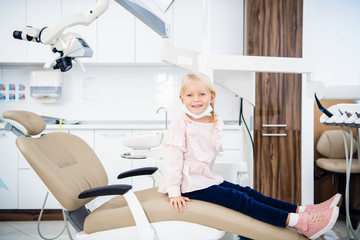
x=74, y=175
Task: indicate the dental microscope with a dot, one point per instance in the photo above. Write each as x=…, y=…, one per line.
x=65, y=47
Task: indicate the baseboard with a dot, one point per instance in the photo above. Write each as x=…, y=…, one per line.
x=30, y=215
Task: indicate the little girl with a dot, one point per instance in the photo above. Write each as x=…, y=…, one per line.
x=194, y=140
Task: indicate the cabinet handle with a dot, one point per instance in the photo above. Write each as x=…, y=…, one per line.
x=274, y=134
x=114, y=135
x=274, y=125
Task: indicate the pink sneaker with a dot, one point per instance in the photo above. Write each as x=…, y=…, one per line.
x=315, y=224
x=330, y=203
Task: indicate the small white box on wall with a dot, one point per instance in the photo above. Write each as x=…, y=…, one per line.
x=45, y=86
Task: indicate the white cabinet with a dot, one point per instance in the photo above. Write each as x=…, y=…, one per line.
x=232, y=145
x=8, y=171
x=223, y=33
x=109, y=148
x=188, y=28
x=21, y=188
x=228, y=163
x=116, y=35
x=148, y=44
x=32, y=192
x=39, y=14
x=13, y=14
x=144, y=182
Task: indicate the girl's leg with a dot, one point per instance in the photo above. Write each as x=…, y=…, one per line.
x=288, y=207
x=241, y=202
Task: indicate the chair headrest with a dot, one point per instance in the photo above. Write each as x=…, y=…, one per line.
x=27, y=122
x=331, y=144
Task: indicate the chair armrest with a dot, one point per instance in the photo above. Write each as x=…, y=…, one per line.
x=145, y=229
x=138, y=172
x=118, y=189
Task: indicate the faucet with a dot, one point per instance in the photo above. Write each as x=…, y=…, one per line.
x=166, y=119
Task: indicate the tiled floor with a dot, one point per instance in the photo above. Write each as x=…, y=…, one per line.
x=49, y=229
x=27, y=230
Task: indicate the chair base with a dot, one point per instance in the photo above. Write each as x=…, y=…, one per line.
x=164, y=231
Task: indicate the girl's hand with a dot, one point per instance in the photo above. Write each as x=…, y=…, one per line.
x=179, y=203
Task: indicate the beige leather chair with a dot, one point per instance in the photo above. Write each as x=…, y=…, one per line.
x=331, y=146
x=70, y=169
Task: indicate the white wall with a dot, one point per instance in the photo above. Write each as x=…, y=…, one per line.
x=111, y=93
x=331, y=36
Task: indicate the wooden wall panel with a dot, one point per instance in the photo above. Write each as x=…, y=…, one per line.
x=274, y=28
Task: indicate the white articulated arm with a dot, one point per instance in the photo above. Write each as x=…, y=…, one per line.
x=146, y=231
x=49, y=35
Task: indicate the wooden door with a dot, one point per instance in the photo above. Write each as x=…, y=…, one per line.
x=274, y=28
x=277, y=134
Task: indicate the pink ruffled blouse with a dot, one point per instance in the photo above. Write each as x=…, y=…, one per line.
x=190, y=152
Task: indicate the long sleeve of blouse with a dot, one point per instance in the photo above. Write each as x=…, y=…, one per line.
x=174, y=167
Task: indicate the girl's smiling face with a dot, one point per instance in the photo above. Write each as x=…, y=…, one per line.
x=196, y=97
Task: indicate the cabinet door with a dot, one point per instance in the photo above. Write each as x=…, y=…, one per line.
x=277, y=136
x=32, y=192
x=13, y=14
x=228, y=162
x=144, y=182
x=188, y=27
x=116, y=35
x=87, y=32
x=8, y=171
x=277, y=168
x=109, y=148
x=148, y=44
x=39, y=14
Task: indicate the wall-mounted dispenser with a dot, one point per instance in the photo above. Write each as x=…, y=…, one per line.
x=45, y=86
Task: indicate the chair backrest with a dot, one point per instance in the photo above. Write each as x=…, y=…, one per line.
x=331, y=144
x=64, y=162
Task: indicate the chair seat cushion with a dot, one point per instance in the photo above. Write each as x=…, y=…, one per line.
x=116, y=214
x=337, y=165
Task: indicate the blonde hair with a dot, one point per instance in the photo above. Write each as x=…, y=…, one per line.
x=206, y=82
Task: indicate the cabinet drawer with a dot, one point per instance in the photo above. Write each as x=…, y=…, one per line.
x=32, y=192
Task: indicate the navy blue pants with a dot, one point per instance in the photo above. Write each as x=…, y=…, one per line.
x=247, y=201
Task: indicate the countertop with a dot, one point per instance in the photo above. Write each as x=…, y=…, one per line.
x=118, y=125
